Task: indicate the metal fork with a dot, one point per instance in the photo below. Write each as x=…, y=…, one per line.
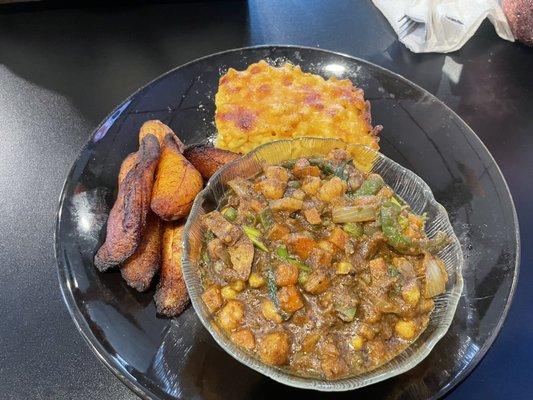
x=407, y=25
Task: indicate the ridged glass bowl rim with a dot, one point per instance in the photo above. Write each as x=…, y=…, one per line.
x=191, y=279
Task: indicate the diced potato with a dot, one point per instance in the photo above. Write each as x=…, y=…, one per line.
x=231, y=315
x=319, y=257
x=228, y=292
x=244, y=338
x=326, y=245
x=309, y=343
x=317, y=282
x=378, y=269
x=366, y=332
x=286, y=204
x=300, y=244
x=310, y=170
x=272, y=188
x=278, y=231
x=213, y=298
x=331, y=361
x=357, y=342
x=298, y=194
x=257, y=205
x=290, y=299
x=311, y=184
x=411, y=295
x=312, y=216
x=405, y=329
x=344, y=268
x=286, y=274
x=338, y=237
x=274, y=348
x=268, y=309
x=277, y=172
x=332, y=189
x=256, y=281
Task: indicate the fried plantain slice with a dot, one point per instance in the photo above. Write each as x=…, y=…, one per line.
x=129, y=162
x=171, y=296
x=140, y=268
x=207, y=159
x=176, y=185
x=127, y=218
x=159, y=130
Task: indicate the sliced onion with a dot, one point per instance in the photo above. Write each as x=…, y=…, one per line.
x=436, y=276
x=346, y=214
x=239, y=186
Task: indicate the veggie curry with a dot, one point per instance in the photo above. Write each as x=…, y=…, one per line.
x=320, y=268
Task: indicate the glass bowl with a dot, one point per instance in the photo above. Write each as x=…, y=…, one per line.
x=405, y=183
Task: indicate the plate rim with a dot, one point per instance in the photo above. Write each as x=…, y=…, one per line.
x=143, y=391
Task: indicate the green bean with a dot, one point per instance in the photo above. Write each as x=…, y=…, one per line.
x=392, y=229
x=370, y=186
x=325, y=167
x=230, y=213
x=254, y=234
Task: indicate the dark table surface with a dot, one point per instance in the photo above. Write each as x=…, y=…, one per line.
x=62, y=69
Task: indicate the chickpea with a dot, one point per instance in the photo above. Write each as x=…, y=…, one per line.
x=231, y=315
x=255, y=280
x=405, y=329
x=290, y=299
x=357, y=342
x=268, y=309
x=411, y=295
x=244, y=338
x=286, y=274
x=228, y=293
x=238, y=285
x=274, y=348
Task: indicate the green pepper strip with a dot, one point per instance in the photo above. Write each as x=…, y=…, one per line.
x=370, y=186
x=353, y=229
x=392, y=229
x=254, y=234
x=325, y=167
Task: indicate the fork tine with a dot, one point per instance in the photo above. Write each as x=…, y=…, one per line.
x=404, y=17
x=407, y=29
x=405, y=23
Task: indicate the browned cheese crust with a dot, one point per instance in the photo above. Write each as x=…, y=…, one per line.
x=171, y=296
x=127, y=218
x=176, y=185
x=208, y=160
x=140, y=268
x=265, y=103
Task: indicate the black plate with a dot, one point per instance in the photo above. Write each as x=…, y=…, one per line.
x=161, y=358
